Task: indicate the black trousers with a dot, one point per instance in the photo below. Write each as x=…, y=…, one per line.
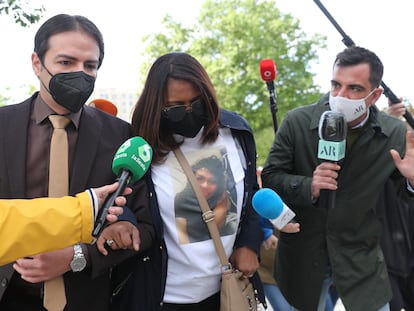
x=21, y=296
x=211, y=303
x=402, y=292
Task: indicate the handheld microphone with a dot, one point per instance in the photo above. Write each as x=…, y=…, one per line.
x=131, y=161
x=268, y=204
x=332, y=143
x=332, y=133
x=104, y=105
x=268, y=74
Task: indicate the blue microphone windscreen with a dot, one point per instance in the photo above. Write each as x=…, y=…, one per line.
x=267, y=203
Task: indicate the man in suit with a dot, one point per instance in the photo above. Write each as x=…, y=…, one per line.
x=67, y=54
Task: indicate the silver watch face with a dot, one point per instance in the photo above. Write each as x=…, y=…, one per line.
x=78, y=264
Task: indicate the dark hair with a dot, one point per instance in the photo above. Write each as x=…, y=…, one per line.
x=63, y=23
x=356, y=55
x=216, y=167
x=146, y=118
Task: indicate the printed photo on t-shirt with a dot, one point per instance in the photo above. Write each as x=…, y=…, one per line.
x=213, y=173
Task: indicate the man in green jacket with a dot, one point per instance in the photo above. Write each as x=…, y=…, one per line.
x=339, y=244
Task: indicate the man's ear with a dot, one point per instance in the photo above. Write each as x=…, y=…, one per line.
x=36, y=64
x=376, y=95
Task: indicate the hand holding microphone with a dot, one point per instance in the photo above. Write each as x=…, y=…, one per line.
x=268, y=204
x=331, y=148
x=131, y=161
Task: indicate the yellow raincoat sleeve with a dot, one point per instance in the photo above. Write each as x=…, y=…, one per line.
x=29, y=227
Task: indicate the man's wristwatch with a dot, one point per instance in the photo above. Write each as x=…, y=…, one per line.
x=78, y=262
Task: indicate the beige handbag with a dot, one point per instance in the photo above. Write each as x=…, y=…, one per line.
x=237, y=292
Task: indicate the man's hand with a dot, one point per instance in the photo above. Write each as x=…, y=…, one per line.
x=324, y=177
x=396, y=110
x=406, y=165
x=44, y=267
x=120, y=235
x=291, y=227
x=270, y=243
x=114, y=211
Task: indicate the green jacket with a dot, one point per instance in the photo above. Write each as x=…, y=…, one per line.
x=346, y=238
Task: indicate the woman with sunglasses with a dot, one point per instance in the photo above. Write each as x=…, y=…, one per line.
x=178, y=108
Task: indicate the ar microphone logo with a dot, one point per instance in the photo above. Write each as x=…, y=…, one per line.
x=331, y=150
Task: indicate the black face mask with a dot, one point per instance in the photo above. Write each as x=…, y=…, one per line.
x=189, y=126
x=185, y=123
x=71, y=89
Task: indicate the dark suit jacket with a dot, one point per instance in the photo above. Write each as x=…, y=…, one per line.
x=99, y=137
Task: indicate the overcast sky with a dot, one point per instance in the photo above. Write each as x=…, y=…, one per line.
x=382, y=26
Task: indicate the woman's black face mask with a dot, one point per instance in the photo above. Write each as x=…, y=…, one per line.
x=184, y=121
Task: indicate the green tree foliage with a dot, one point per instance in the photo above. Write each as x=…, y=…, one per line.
x=23, y=13
x=24, y=90
x=230, y=39
x=264, y=138
x=3, y=100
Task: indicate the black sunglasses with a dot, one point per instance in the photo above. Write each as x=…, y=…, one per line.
x=177, y=113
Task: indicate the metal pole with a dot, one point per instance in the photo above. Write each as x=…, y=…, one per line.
x=349, y=42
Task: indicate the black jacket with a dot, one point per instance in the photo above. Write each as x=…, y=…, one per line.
x=397, y=221
x=99, y=136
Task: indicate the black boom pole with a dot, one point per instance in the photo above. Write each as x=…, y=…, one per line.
x=348, y=42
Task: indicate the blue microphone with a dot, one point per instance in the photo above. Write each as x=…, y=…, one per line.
x=268, y=204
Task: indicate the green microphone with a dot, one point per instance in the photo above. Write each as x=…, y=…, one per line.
x=131, y=161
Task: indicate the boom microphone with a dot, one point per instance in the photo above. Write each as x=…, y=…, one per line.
x=268, y=74
x=349, y=42
x=332, y=143
x=131, y=161
x=268, y=204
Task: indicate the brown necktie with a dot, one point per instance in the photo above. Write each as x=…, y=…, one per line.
x=54, y=290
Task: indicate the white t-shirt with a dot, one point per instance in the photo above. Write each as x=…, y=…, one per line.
x=194, y=269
